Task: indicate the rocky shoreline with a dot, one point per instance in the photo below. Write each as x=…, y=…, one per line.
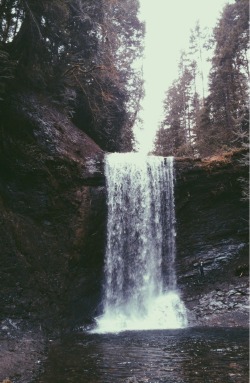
x=23, y=350
x=226, y=305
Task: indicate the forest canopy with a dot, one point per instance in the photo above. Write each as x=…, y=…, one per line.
x=80, y=53
x=200, y=123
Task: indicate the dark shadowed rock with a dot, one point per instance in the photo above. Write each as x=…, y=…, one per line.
x=52, y=218
x=212, y=226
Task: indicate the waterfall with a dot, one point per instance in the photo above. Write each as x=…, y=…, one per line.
x=140, y=289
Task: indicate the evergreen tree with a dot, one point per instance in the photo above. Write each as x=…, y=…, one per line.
x=228, y=77
x=199, y=44
x=125, y=40
x=179, y=104
x=65, y=48
x=210, y=124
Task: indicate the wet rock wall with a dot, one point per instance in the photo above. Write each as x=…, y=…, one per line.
x=52, y=216
x=212, y=227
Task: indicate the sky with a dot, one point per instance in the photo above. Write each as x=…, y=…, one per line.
x=168, y=25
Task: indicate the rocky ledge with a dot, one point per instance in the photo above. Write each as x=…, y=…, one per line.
x=227, y=306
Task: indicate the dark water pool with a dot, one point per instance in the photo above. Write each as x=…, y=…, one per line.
x=169, y=356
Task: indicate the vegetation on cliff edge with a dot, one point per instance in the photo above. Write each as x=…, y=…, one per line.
x=79, y=54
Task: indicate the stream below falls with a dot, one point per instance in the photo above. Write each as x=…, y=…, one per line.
x=191, y=355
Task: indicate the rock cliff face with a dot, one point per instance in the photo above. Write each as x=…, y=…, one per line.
x=53, y=219
x=52, y=215
x=212, y=226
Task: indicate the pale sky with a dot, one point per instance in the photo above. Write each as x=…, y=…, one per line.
x=168, y=25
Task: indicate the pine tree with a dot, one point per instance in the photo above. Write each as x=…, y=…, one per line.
x=68, y=49
x=125, y=41
x=179, y=112
x=199, y=44
x=228, y=77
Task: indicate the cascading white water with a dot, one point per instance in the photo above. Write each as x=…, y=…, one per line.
x=140, y=279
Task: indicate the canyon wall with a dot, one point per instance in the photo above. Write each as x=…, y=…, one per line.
x=53, y=220
x=53, y=214
x=212, y=227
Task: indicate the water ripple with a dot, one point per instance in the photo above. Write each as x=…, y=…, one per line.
x=175, y=356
